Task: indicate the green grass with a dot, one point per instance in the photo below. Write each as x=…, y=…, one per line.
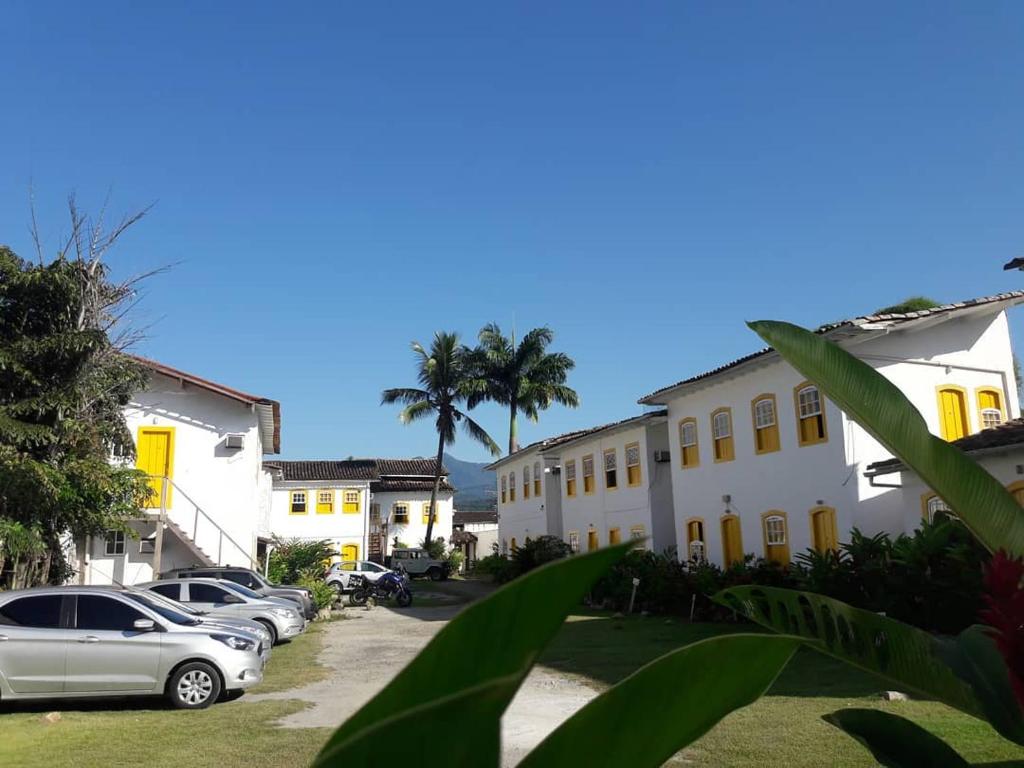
x=784, y=727
x=294, y=664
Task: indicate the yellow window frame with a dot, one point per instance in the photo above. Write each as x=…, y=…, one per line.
x=570, y=482
x=689, y=455
x=292, y=502
x=588, y=480
x=426, y=512
x=349, y=507
x=981, y=408
x=604, y=468
x=965, y=413
x=723, y=448
x=324, y=507
x=633, y=471
x=395, y=513
x=823, y=437
x=766, y=439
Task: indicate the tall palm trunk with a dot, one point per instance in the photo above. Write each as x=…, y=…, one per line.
x=513, y=427
x=433, y=494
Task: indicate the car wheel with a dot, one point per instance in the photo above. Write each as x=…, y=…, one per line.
x=270, y=629
x=337, y=587
x=435, y=574
x=194, y=686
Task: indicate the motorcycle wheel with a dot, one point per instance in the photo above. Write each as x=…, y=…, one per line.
x=404, y=599
x=358, y=597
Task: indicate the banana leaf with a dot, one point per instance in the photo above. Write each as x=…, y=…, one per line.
x=894, y=741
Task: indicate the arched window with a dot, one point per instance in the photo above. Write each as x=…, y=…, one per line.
x=732, y=540
x=688, y=450
x=511, y=486
x=592, y=540
x=766, y=424
x=570, y=479
x=933, y=508
x=823, y=529
x=1017, y=491
x=696, y=547
x=721, y=433
x=611, y=472
x=504, y=489
x=588, y=473
x=536, y=478
x=574, y=541
x=633, y=465
x=776, y=536
x=953, y=412
x=526, y=481
x=810, y=415
x=990, y=408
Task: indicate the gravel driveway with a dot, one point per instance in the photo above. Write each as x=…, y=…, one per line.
x=366, y=650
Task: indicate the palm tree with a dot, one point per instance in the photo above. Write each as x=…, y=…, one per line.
x=525, y=377
x=444, y=379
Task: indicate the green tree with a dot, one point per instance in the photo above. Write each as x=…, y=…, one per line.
x=524, y=377
x=444, y=376
x=63, y=385
x=910, y=304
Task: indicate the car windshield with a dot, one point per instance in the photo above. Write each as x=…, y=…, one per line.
x=163, y=609
x=260, y=580
x=240, y=589
x=172, y=603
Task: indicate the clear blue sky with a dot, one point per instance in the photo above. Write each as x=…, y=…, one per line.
x=337, y=179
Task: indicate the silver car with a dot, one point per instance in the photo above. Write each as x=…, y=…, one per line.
x=244, y=625
x=65, y=642
x=280, y=617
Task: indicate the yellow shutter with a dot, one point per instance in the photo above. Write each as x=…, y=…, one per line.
x=154, y=456
x=732, y=544
x=613, y=536
x=953, y=414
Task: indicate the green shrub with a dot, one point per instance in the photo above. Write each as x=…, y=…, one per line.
x=454, y=559
x=294, y=556
x=323, y=595
x=498, y=567
x=537, y=551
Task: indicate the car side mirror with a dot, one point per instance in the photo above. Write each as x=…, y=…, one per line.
x=233, y=599
x=144, y=625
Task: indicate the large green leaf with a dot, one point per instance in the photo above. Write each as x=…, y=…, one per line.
x=881, y=408
x=667, y=704
x=413, y=733
x=895, y=741
x=976, y=659
x=908, y=657
x=498, y=636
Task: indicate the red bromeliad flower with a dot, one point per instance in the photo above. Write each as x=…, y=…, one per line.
x=1004, y=599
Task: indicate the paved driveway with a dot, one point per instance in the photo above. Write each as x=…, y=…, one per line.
x=367, y=649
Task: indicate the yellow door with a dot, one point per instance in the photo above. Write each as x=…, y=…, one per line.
x=155, y=457
x=954, y=414
x=823, y=530
x=613, y=536
x=732, y=543
x=591, y=541
x=350, y=552
x=1018, y=494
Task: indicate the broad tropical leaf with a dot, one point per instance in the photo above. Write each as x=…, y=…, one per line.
x=894, y=741
x=881, y=408
x=975, y=658
x=413, y=733
x=909, y=657
x=668, y=704
x=496, y=637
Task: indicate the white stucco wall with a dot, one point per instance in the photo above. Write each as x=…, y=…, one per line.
x=414, y=533
x=970, y=352
x=533, y=516
x=338, y=527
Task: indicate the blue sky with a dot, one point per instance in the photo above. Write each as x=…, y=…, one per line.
x=334, y=180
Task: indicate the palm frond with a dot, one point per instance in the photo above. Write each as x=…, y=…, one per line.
x=416, y=412
x=479, y=434
x=406, y=395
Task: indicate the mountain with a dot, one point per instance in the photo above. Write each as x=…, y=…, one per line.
x=474, y=485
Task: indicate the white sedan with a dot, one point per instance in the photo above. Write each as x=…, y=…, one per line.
x=340, y=573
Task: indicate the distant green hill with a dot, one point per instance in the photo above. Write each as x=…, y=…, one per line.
x=474, y=485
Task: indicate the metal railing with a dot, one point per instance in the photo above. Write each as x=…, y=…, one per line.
x=203, y=530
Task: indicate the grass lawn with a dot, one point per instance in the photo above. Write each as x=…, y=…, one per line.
x=134, y=732
x=782, y=728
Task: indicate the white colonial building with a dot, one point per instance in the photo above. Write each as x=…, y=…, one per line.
x=362, y=506
x=202, y=444
x=763, y=464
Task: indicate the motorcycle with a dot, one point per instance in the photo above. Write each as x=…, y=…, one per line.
x=390, y=585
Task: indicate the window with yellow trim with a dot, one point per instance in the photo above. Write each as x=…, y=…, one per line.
x=504, y=489
x=400, y=510
x=695, y=547
x=325, y=502
x=721, y=434
x=990, y=408
x=426, y=513
x=810, y=415
x=633, y=465
x=611, y=476
x=574, y=541
x=588, y=473
x=297, y=503
x=614, y=536
x=526, y=481
x=688, y=443
x=511, y=486
x=766, y=424
x=592, y=540
x=637, y=532
x=536, y=478
x=776, y=537
x=953, y=413
x=934, y=509
x=350, y=503
x=732, y=540
x=570, y=478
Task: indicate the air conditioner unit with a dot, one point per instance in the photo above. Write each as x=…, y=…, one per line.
x=662, y=457
x=234, y=441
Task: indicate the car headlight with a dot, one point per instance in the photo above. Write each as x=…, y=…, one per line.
x=235, y=641
x=286, y=613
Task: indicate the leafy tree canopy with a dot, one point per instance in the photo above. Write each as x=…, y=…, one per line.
x=911, y=304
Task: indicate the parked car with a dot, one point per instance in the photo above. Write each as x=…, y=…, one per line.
x=67, y=642
x=418, y=562
x=339, y=575
x=247, y=577
x=280, y=617
x=219, y=622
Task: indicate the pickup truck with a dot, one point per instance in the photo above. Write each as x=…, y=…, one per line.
x=418, y=562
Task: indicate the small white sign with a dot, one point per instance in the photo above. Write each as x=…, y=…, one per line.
x=636, y=582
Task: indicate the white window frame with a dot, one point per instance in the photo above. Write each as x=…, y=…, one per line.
x=776, y=538
x=574, y=541
x=716, y=431
x=688, y=426
x=805, y=404
x=994, y=412
x=759, y=421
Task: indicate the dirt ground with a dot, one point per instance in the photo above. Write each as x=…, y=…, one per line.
x=366, y=650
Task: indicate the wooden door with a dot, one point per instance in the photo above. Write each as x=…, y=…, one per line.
x=155, y=457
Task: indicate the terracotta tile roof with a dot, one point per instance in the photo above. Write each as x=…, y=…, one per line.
x=856, y=324
x=403, y=484
x=272, y=425
x=1006, y=435
x=415, y=466
x=471, y=517
x=387, y=471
